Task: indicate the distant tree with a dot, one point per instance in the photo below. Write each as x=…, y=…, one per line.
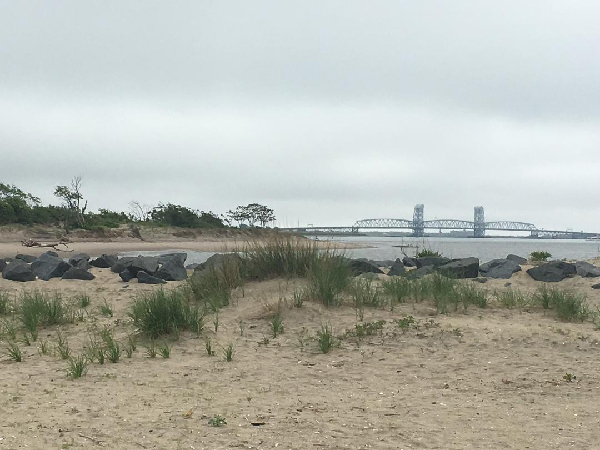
x=251, y=214
x=16, y=206
x=182, y=216
x=72, y=199
x=139, y=212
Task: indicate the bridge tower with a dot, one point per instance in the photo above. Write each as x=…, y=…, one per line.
x=479, y=222
x=418, y=225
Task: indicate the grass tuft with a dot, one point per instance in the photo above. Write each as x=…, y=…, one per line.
x=14, y=352
x=77, y=367
x=325, y=338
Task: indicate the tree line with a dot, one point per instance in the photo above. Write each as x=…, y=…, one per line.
x=20, y=207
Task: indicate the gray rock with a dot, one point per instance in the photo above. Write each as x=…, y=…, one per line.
x=420, y=272
x=517, y=259
x=587, y=270
x=431, y=261
x=77, y=273
x=48, y=266
x=507, y=284
x=409, y=262
x=122, y=264
x=27, y=258
x=148, y=264
x=3, y=264
x=359, y=267
x=552, y=271
x=126, y=275
x=596, y=286
x=397, y=269
x=481, y=280
x=462, y=268
x=172, y=270
x=50, y=253
x=146, y=278
x=75, y=260
x=216, y=261
x=163, y=259
x=18, y=271
x=499, y=268
x=104, y=261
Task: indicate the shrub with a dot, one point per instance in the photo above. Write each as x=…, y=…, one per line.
x=540, y=256
x=162, y=312
x=428, y=253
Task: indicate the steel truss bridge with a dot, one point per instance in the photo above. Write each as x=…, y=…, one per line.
x=418, y=226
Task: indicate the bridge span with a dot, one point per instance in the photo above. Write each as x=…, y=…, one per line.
x=418, y=226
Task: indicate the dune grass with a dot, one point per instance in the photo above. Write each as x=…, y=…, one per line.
x=567, y=305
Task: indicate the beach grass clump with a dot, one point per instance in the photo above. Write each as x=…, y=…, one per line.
x=325, y=338
x=513, y=298
x=568, y=306
x=228, y=352
x=282, y=256
x=77, y=367
x=83, y=300
x=369, y=328
x=38, y=308
x=469, y=294
x=328, y=277
x=364, y=292
x=213, y=287
x=5, y=307
x=443, y=292
x=428, y=253
x=162, y=312
x=14, y=352
x=398, y=289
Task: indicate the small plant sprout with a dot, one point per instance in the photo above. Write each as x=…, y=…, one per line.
x=44, y=348
x=217, y=421
x=129, y=351
x=26, y=339
x=298, y=298
x=83, y=300
x=113, y=352
x=208, y=347
x=132, y=341
x=165, y=350
x=77, y=367
x=106, y=309
x=277, y=323
x=242, y=326
x=228, y=352
x=62, y=346
x=216, y=321
x=14, y=352
x=569, y=377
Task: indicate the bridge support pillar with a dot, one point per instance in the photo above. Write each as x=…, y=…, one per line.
x=418, y=225
x=479, y=222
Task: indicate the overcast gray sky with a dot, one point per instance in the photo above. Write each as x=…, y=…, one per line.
x=327, y=111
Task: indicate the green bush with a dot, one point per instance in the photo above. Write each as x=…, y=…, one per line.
x=540, y=256
x=428, y=253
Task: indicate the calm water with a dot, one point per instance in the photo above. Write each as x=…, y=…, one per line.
x=484, y=249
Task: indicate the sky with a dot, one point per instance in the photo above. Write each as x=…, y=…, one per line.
x=327, y=111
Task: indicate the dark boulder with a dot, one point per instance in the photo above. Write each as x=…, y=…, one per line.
x=77, y=273
x=77, y=258
x=462, y=268
x=431, y=261
x=148, y=264
x=122, y=264
x=47, y=267
x=587, y=270
x=126, y=275
x=359, y=267
x=596, y=286
x=18, y=271
x=26, y=258
x=397, y=269
x=104, y=261
x=481, y=280
x=50, y=253
x=409, y=262
x=3, y=264
x=552, y=271
x=146, y=278
x=163, y=259
x=499, y=268
x=517, y=259
x=420, y=272
x=172, y=270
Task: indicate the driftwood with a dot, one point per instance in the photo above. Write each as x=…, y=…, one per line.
x=32, y=243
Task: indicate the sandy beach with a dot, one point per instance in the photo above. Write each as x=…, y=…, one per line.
x=484, y=378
